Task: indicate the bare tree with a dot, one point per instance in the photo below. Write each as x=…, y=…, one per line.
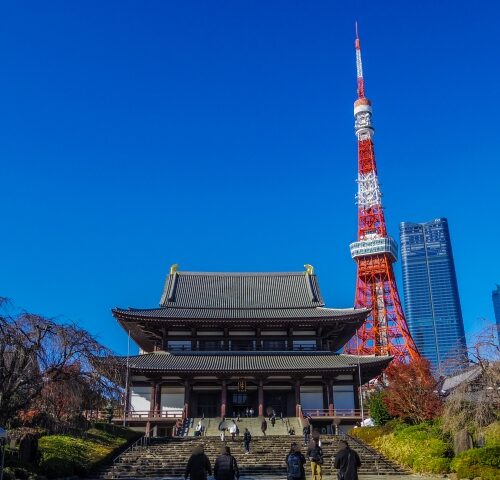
x=37, y=353
x=473, y=397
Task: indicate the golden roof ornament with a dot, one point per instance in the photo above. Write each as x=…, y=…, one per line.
x=173, y=268
x=309, y=269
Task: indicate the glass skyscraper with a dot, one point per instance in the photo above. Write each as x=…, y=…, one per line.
x=432, y=303
x=495, y=295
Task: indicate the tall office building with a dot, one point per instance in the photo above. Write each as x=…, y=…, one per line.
x=495, y=296
x=432, y=303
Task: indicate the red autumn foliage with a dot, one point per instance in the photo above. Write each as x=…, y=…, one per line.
x=411, y=393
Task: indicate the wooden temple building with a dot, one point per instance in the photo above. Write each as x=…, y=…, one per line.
x=220, y=343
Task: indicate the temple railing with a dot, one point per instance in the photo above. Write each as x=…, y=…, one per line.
x=103, y=415
x=326, y=412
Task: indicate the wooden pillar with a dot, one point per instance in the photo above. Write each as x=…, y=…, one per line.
x=261, y=398
x=223, y=399
x=158, y=399
x=325, y=395
x=152, y=402
x=297, y=398
x=258, y=339
x=290, y=338
x=226, y=339
x=331, y=409
x=194, y=341
x=187, y=398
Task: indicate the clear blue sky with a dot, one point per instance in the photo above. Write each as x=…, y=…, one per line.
x=219, y=135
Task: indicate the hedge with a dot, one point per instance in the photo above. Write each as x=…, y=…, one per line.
x=422, y=448
x=479, y=462
x=64, y=455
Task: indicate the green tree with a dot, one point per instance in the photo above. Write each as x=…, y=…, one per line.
x=378, y=410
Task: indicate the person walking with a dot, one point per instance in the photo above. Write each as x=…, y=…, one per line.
x=295, y=462
x=263, y=426
x=226, y=467
x=198, y=466
x=232, y=431
x=315, y=455
x=247, y=438
x=273, y=419
x=251, y=411
x=307, y=433
x=347, y=462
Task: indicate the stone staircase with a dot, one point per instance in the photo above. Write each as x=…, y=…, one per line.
x=167, y=457
x=211, y=426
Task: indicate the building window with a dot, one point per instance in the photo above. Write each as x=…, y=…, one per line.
x=304, y=345
x=210, y=345
x=179, y=345
x=274, y=345
x=242, y=345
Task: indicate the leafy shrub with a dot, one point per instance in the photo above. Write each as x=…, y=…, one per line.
x=492, y=434
x=421, y=447
x=479, y=462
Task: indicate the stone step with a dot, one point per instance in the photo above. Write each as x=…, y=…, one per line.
x=168, y=457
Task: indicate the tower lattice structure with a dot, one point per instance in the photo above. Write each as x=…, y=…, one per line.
x=385, y=331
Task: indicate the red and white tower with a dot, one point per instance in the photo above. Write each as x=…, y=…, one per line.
x=385, y=331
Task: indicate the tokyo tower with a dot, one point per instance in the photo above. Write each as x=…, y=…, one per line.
x=385, y=331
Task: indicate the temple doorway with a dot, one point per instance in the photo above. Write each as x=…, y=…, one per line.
x=208, y=404
x=277, y=401
x=240, y=401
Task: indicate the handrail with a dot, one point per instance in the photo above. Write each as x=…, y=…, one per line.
x=364, y=445
x=141, y=442
x=337, y=412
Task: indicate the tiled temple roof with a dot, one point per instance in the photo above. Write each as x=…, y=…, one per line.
x=241, y=290
x=240, y=362
x=191, y=299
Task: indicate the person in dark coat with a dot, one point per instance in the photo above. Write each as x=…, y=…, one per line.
x=263, y=426
x=198, y=466
x=226, y=467
x=247, y=438
x=347, y=462
x=295, y=462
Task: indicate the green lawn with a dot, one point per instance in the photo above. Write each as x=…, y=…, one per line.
x=65, y=455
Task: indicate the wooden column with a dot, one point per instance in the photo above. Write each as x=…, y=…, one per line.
x=297, y=398
x=152, y=402
x=187, y=398
x=325, y=395
x=331, y=409
x=261, y=398
x=223, y=399
x=158, y=399
x=290, y=338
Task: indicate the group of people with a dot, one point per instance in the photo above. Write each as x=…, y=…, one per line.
x=346, y=462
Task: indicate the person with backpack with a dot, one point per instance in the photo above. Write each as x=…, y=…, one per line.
x=263, y=426
x=198, y=466
x=226, y=467
x=315, y=455
x=295, y=462
x=247, y=438
x=307, y=433
x=347, y=462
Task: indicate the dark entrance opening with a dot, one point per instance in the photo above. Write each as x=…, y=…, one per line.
x=240, y=401
x=277, y=401
x=208, y=404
